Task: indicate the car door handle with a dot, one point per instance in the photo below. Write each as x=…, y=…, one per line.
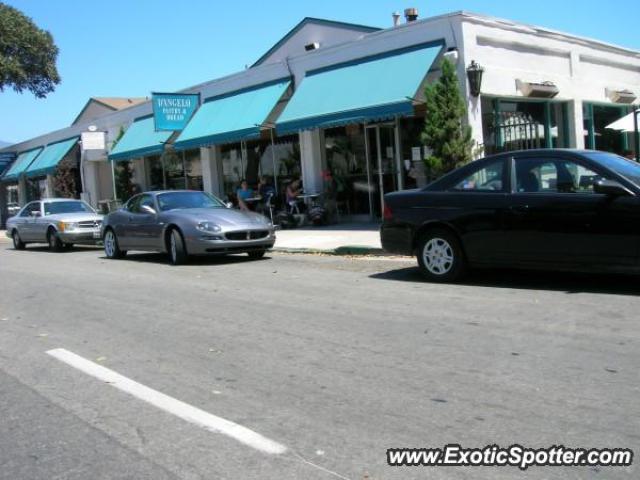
x=131, y=219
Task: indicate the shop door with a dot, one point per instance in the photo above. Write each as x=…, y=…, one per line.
x=383, y=164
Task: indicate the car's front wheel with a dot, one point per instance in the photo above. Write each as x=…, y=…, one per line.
x=55, y=244
x=177, y=249
x=440, y=256
x=18, y=244
x=111, y=247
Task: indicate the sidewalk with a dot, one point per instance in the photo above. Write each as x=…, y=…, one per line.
x=344, y=239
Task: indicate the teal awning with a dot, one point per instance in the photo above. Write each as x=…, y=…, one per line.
x=140, y=140
x=371, y=88
x=48, y=160
x=232, y=117
x=21, y=164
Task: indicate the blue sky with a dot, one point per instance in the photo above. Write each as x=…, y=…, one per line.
x=130, y=48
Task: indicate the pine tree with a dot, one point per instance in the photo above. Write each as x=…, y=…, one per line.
x=445, y=132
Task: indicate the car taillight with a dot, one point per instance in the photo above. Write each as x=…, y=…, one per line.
x=387, y=214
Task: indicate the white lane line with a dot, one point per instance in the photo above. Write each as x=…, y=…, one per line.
x=169, y=404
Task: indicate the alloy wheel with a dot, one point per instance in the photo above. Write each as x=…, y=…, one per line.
x=109, y=244
x=438, y=256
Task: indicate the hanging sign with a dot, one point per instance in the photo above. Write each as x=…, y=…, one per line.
x=172, y=111
x=92, y=140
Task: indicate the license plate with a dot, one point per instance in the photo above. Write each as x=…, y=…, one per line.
x=96, y=235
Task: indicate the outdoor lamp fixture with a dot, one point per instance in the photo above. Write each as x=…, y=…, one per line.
x=474, y=74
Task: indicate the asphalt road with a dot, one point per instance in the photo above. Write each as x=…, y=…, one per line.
x=337, y=359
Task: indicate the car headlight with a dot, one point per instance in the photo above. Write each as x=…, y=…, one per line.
x=66, y=226
x=208, y=227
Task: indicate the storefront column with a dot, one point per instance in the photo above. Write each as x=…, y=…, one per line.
x=22, y=191
x=312, y=160
x=91, y=184
x=139, y=173
x=50, y=187
x=474, y=120
x=212, y=170
x=576, y=124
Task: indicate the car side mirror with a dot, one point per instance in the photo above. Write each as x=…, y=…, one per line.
x=35, y=214
x=147, y=209
x=228, y=205
x=611, y=188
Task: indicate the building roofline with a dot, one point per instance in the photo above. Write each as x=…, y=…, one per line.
x=538, y=30
x=319, y=21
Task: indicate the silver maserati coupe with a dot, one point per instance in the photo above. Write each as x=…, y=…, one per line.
x=183, y=223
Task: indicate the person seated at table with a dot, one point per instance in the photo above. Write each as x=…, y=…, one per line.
x=265, y=191
x=243, y=193
x=293, y=190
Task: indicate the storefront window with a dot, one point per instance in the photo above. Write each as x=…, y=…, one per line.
x=597, y=136
x=153, y=166
x=174, y=171
x=412, y=152
x=125, y=188
x=349, y=182
x=279, y=161
x=193, y=169
x=36, y=188
x=12, y=195
x=523, y=125
x=232, y=168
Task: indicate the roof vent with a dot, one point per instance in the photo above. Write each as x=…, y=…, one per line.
x=312, y=46
x=411, y=14
x=396, y=18
x=537, y=90
x=620, y=96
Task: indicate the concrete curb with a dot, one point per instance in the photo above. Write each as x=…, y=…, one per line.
x=347, y=250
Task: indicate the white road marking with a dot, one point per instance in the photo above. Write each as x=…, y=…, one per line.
x=169, y=404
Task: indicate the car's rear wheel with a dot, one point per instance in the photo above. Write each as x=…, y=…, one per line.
x=441, y=257
x=257, y=254
x=18, y=244
x=111, y=247
x=177, y=249
x=55, y=244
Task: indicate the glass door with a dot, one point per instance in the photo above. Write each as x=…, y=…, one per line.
x=383, y=163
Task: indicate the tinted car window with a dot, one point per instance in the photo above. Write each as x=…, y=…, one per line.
x=541, y=175
x=54, y=208
x=488, y=178
x=627, y=168
x=139, y=202
x=181, y=200
x=29, y=209
x=134, y=203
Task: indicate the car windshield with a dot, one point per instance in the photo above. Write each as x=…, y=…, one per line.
x=182, y=200
x=627, y=168
x=72, y=206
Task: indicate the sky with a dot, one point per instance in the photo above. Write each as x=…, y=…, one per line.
x=130, y=48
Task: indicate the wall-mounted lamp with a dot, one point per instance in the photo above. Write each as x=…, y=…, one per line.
x=474, y=74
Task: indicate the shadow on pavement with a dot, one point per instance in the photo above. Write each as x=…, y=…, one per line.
x=194, y=261
x=531, y=280
x=45, y=249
